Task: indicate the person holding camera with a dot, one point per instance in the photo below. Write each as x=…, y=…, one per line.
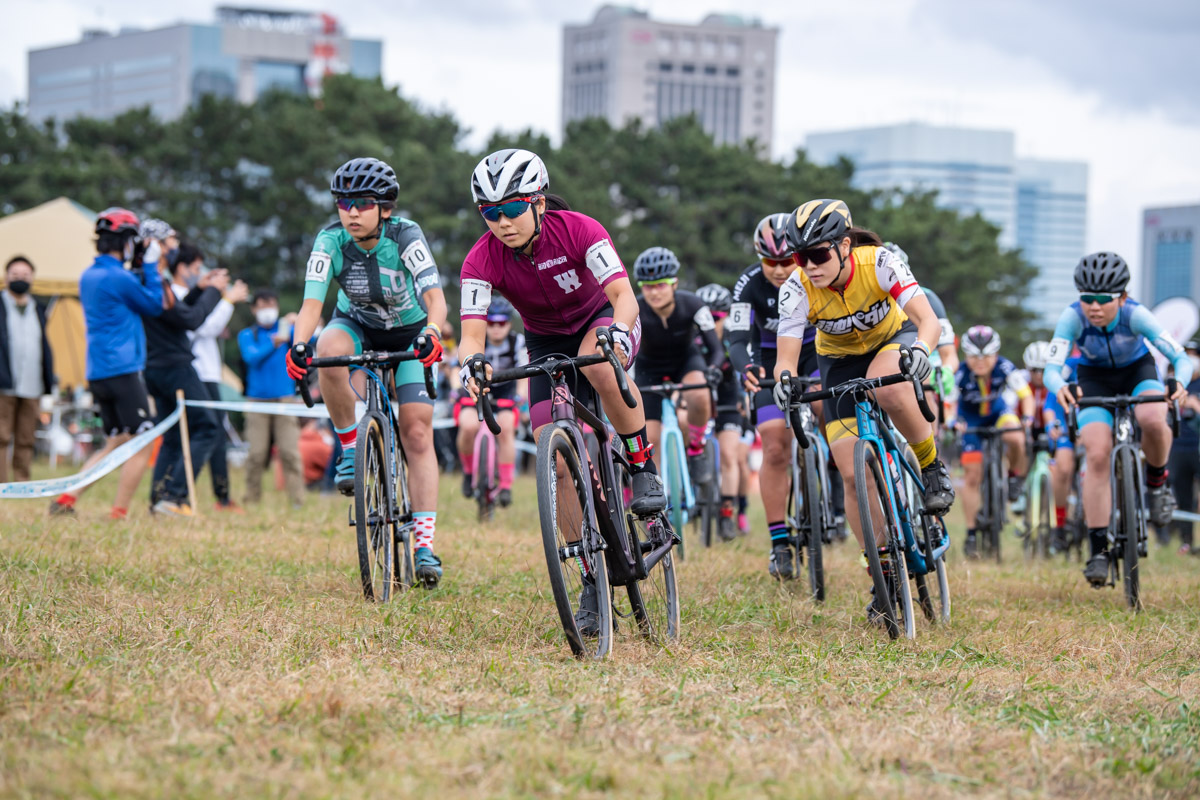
x=189, y=300
x=115, y=300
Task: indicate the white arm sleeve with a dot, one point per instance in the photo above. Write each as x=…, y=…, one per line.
x=793, y=308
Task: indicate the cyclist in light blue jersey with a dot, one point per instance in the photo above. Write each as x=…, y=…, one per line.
x=390, y=299
x=1111, y=330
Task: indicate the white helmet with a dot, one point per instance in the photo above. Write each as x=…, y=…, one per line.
x=981, y=340
x=508, y=173
x=1036, y=354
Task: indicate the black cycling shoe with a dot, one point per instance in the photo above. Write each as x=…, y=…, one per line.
x=1016, y=487
x=780, y=564
x=1096, y=570
x=939, y=492
x=699, y=468
x=468, y=490
x=971, y=547
x=727, y=528
x=587, y=616
x=1058, y=540
x=648, y=496
x=504, y=498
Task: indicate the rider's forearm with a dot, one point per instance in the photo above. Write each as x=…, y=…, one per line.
x=435, y=305
x=474, y=331
x=306, y=320
x=787, y=356
x=624, y=302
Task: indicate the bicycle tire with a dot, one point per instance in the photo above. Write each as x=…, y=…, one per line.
x=1045, y=529
x=557, y=520
x=673, y=447
x=404, y=570
x=867, y=460
x=372, y=502
x=709, y=494
x=484, y=480
x=655, y=598
x=932, y=533
x=1131, y=522
x=998, y=505
x=812, y=513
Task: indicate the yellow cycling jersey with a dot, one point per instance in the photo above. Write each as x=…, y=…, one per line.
x=859, y=319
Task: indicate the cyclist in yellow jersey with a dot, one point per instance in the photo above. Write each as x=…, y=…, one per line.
x=865, y=304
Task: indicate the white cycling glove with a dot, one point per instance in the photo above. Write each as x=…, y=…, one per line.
x=782, y=395
x=153, y=253
x=618, y=334
x=919, y=367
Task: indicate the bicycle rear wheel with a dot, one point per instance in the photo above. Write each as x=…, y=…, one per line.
x=997, y=494
x=892, y=595
x=376, y=550
x=931, y=532
x=573, y=553
x=708, y=495
x=1130, y=526
x=404, y=570
x=655, y=599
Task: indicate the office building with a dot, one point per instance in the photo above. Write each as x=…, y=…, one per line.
x=1170, y=259
x=1040, y=206
x=624, y=66
x=247, y=52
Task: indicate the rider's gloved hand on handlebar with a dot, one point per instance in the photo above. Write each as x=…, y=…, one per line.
x=750, y=378
x=297, y=361
x=428, y=347
x=782, y=393
x=466, y=374
x=712, y=375
x=919, y=367
x=618, y=334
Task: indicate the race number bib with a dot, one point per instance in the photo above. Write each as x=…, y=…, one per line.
x=476, y=297
x=417, y=258
x=318, y=267
x=602, y=260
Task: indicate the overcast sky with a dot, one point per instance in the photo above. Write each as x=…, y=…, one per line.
x=1109, y=82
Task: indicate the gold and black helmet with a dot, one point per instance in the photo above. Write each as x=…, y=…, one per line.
x=817, y=221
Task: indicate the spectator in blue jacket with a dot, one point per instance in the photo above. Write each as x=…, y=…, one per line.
x=114, y=302
x=264, y=347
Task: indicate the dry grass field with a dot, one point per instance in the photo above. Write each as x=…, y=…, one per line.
x=234, y=656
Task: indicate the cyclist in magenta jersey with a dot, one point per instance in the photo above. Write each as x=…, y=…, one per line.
x=561, y=273
x=1111, y=330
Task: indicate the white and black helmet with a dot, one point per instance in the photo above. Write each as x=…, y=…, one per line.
x=1101, y=272
x=1036, y=354
x=981, y=340
x=508, y=173
x=716, y=297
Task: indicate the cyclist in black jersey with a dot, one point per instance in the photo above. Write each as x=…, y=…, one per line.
x=503, y=349
x=728, y=418
x=671, y=320
x=753, y=321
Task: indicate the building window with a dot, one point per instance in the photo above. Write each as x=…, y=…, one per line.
x=710, y=69
x=688, y=69
x=666, y=44
x=1173, y=265
x=665, y=66
x=732, y=72
x=708, y=47
x=733, y=48
x=687, y=45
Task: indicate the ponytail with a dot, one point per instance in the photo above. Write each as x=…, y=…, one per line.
x=556, y=203
x=862, y=236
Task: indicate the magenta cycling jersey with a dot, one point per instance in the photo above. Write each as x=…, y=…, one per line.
x=557, y=290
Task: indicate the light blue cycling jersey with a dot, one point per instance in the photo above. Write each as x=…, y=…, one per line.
x=1118, y=345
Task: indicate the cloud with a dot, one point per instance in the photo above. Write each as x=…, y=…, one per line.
x=1138, y=56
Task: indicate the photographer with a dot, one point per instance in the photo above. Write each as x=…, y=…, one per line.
x=114, y=302
x=189, y=301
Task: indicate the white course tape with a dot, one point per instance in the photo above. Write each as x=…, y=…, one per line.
x=56, y=486
x=289, y=410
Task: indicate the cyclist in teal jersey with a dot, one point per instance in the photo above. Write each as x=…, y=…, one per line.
x=389, y=298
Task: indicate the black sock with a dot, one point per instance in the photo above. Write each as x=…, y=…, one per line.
x=778, y=531
x=638, y=450
x=971, y=533
x=1155, y=476
x=1099, y=539
x=742, y=504
x=727, y=502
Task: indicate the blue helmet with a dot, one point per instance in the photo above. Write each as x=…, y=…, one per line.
x=655, y=264
x=500, y=310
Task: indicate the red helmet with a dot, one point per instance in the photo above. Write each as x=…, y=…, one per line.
x=117, y=220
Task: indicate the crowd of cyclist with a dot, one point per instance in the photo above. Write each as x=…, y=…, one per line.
x=824, y=298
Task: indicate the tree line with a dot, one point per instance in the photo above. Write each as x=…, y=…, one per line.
x=249, y=184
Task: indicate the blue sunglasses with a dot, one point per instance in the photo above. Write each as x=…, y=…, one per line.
x=510, y=208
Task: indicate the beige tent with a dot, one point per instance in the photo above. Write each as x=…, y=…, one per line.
x=58, y=237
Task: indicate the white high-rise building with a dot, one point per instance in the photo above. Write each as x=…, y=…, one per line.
x=622, y=66
x=1040, y=206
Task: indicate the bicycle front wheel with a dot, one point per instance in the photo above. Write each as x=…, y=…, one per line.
x=574, y=556
x=1130, y=526
x=1045, y=497
x=673, y=483
x=485, y=480
x=931, y=533
x=813, y=522
x=405, y=573
x=893, y=599
x=376, y=550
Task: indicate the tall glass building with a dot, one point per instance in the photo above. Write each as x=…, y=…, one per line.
x=1039, y=206
x=1170, y=257
x=247, y=52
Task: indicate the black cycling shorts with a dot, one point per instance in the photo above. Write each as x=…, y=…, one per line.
x=1109, y=381
x=124, y=404
x=836, y=371
x=649, y=373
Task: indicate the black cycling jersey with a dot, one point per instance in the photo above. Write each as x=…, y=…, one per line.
x=754, y=319
x=667, y=343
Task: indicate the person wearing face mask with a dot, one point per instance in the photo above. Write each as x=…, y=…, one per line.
x=191, y=299
x=1184, y=462
x=115, y=299
x=188, y=264
x=26, y=367
x=264, y=347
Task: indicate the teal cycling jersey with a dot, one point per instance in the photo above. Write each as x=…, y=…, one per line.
x=380, y=288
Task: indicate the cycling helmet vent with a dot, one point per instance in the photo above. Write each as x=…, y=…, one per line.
x=1101, y=272
x=818, y=221
x=715, y=296
x=770, y=238
x=508, y=173
x=365, y=177
x=655, y=264
x=981, y=340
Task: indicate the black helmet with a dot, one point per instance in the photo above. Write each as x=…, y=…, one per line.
x=818, y=221
x=365, y=177
x=499, y=308
x=715, y=296
x=770, y=238
x=655, y=264
x=1101, y=272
